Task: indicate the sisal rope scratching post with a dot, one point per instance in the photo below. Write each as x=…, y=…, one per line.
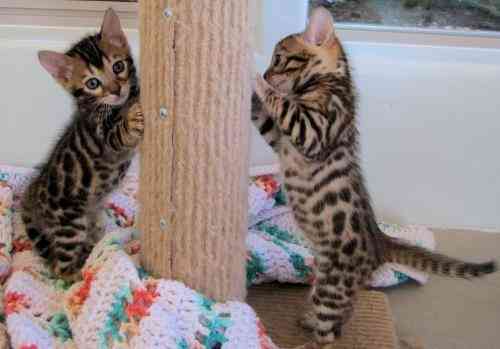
x=195, y=95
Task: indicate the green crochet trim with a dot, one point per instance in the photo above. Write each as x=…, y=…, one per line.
x=215, y=323
x=255, y=267
x=280, y=198
x=277, y=233
x=115, y=317
x=59, y=327
x=303, y=271
x=281, y=237
x=182, y=344
x=114, y=242
x=62, y=285
x=400, y=276
x=143, y=274
x=59, y=284
x=206, y=303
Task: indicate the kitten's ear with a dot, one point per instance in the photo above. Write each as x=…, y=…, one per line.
x=320, y=28
x=111, y=29
x=57, y=64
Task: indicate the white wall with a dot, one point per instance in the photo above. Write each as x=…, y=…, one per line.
x=429, y=119
x=428, y=116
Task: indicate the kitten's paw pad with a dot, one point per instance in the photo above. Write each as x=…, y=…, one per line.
x=325, y=340
x=307, y=321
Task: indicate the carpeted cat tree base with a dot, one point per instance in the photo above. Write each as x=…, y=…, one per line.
x=372, y=325
x=279, y=306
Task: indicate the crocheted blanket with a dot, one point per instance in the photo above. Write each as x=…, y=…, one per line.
x=118, y=306
x=127, y=308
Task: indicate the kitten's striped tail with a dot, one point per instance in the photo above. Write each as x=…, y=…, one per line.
x=398, y=251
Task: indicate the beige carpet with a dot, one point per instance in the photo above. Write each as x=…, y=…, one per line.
x=443, y=314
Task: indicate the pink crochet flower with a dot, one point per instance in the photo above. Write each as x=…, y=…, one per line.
x=13, y=302
x=28, y=346
x=142, y=299
x=263, y=337
x=80, y=295
x=268, y=184
x=120, y=212
x=133, y=247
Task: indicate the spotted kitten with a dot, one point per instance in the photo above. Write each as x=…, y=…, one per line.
x=305, y=108
x=62, y=205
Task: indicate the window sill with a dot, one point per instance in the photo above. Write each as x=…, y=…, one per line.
x=418, y=36
x=64, y=13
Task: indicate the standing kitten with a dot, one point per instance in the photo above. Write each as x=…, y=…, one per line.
x=62, y=205
x=305, y=109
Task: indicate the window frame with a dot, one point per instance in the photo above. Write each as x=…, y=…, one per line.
x=77, y=13
x=419, y=36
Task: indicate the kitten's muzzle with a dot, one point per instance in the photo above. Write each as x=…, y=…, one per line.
x=116, y=91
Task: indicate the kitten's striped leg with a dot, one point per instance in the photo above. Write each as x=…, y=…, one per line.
x=332, y=303
x=128, y=132
x=65, y=248
x=265, y=124
x=308, y=320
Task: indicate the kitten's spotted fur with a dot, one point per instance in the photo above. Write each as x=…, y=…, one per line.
x=63, y=203
x=306, y=110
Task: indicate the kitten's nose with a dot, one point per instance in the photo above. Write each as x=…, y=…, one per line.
x=116, y=90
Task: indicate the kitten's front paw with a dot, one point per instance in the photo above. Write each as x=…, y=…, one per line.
x=135, y=118
x=257, y=106
x=262, y=87
x=134, y=126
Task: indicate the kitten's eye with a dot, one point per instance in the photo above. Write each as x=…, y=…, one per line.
x=277, y=60
x=118, y=67
x=93, y=83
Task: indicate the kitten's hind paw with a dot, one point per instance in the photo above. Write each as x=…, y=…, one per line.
x=307, y=321
x=70, y=279
x=69, y=273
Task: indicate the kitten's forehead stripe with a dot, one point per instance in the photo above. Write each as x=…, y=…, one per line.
x=89, y=50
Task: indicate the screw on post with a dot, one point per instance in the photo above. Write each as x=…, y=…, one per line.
x=163, y=224
x=168, y=12
x=163, y=113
